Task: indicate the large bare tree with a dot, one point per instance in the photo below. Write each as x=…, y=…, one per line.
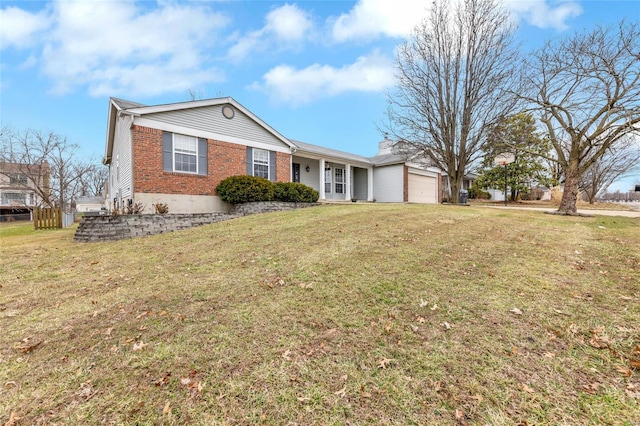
x=51, y=164
x=585, y=89
x=620, y=160
x=454, y=73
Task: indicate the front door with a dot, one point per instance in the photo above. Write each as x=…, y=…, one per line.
x=339, y=179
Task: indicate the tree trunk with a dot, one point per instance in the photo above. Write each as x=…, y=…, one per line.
x=570, y=194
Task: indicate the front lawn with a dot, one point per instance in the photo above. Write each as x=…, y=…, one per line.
x=349, y=314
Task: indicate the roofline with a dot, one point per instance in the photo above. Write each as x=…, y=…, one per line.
x=138, y=111
x=115, y=110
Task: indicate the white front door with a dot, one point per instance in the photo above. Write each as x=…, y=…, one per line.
x=335, y=182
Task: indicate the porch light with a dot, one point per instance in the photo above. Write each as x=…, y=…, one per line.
x=307, y=168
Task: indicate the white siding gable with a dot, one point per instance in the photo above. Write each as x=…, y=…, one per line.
x=209, y=119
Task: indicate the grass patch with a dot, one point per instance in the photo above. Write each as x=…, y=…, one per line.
x=380, y=314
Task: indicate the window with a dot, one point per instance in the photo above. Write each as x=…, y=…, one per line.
x=327, y=179
x=182, y=153
x=261, y=163
x=13, y=198
x=18, y=179
x=339, y=181
x=185, y=150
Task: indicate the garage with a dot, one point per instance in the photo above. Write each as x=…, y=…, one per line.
x=422, y=189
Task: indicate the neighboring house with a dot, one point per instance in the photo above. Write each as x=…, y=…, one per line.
x=18, y=194
x=89, y=204
x=178, y=153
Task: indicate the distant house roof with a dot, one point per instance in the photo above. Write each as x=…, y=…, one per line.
x=89, y=200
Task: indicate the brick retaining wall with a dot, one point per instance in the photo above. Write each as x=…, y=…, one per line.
x=111, y=228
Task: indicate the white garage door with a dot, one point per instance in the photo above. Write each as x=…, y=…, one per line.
x=423, y=189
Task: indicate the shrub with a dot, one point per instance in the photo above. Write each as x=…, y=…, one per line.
x=477, y=193
x=161, y=208
x=294, y=192
x=244, y=189
x=135, y=208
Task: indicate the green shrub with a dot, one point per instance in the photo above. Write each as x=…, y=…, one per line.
x=477, y=193
x=294, y=192
x=244, y=189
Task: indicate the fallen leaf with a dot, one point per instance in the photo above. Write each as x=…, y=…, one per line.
x=363, y=393
x=138, y=346
x=592, y=387
x=434, y=308
x=13, y=419
x=446, y=325
x=526, y=388
x=287, y=355
x=385, y=362
x=415, y=328
x=516, y=311
x=624, y=371
x=549, y=355
x=344, y=378
x=459, y=414
x=423, y=303
x=634, y=363
x=303, y=399
x=167, y=409
x=185, y=380
x=342, y=393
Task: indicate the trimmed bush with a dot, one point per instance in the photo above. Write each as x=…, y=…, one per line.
x=294, y=192
x=479, y=194
x=245, y=189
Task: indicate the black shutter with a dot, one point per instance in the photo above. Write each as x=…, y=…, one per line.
x=249, y=161
x=272, y=166
x=167, y=151
x=202, y=156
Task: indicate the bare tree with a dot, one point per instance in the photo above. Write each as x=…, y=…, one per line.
x=453, y=76
x=585, y=89
x=93, y=181
x=48, y=161
x=618, y=161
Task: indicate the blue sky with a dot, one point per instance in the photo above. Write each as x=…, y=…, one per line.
x=316, y=71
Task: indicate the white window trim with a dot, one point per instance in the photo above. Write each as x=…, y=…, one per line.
x=174, y=152
x=260, y=163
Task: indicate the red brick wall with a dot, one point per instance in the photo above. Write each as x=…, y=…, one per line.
x=224, y=160
x=405, y=180
x=283, y=167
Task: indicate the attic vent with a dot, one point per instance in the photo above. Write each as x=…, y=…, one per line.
x=228, y=112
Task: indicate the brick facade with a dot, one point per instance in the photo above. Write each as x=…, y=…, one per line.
x=224, y=160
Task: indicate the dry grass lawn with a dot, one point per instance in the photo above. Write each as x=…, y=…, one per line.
x=351, y=314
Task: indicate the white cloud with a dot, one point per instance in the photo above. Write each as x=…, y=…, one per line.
x=372, y=18
x=288, y=23
x=124, y=48
x=286, y=84
x=542, y=14
x=285, y=27
x=21, y=28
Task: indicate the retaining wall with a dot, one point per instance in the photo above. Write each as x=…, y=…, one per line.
x=111, y=228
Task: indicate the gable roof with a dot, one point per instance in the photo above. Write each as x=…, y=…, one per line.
x=120, y=106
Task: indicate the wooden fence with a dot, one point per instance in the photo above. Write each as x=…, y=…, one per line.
x=47, y=218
